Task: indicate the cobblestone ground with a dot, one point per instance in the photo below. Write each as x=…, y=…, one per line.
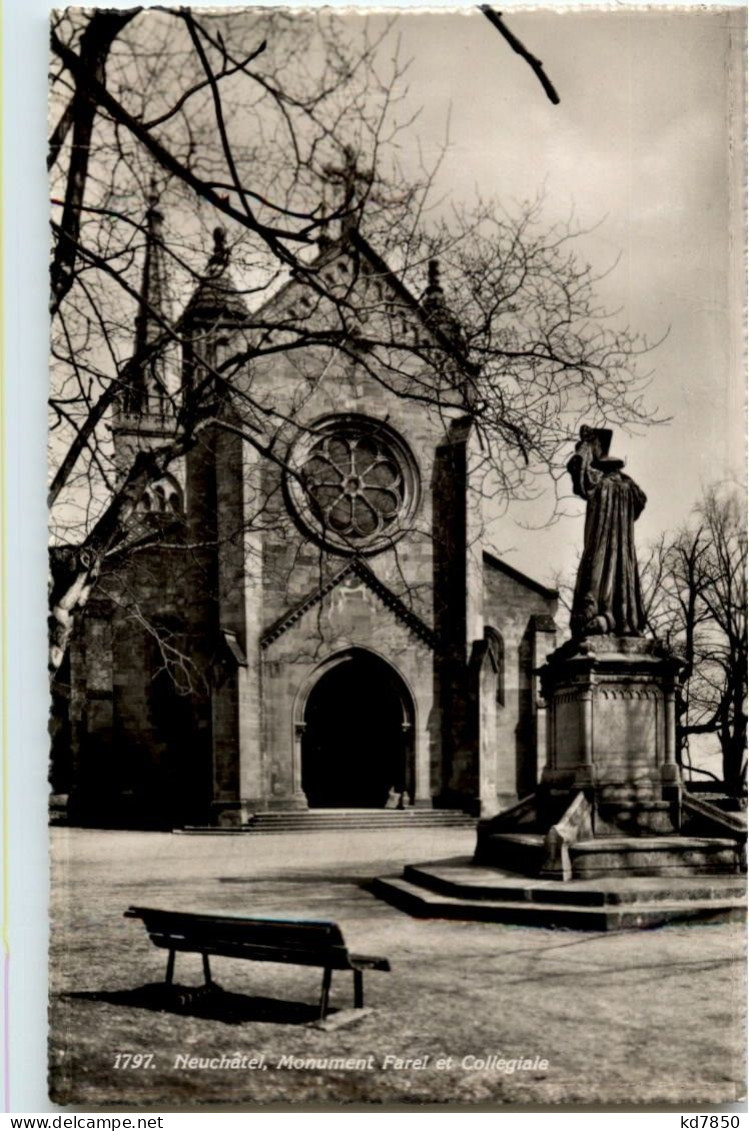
x=631, y=1018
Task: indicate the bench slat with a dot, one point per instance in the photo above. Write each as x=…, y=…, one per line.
x=337, y=958
x=287, y=933
x=220, y=937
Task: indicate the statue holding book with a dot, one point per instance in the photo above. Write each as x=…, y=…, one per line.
x=607, y=597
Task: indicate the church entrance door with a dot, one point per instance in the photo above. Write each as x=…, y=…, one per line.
x=358, y=735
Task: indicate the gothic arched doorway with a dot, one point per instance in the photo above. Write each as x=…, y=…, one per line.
x=358, y=734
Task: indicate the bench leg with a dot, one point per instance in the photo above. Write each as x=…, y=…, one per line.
x=207, y=970
x=170, y=968
x=325, y=995
x=358, y=989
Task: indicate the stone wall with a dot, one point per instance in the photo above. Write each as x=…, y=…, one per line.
x=140, y=748
x=520, y=611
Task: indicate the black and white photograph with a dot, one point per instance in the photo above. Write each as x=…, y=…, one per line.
x=397, y=557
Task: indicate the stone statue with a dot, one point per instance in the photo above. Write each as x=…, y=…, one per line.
x=607, y=594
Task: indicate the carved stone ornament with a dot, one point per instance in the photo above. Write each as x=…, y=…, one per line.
x=353, y=483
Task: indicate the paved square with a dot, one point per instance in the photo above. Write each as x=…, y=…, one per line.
x=470, y=1014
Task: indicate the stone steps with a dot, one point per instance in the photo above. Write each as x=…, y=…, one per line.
x=518, y=852
x=462, y=878
x=632, y=916
x=355, y=820
x=656, y=856
x=606, y=855
x=460, y=890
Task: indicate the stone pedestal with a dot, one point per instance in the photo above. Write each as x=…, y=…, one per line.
x=611, y=724
x=610, y=807
x=610, y=801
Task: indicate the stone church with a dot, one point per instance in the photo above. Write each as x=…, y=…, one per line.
x=317, y=630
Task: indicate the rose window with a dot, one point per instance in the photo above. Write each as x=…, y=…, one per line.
x=356, y=480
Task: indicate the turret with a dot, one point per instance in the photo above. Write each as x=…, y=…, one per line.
x=215, y=311
x=216, y=300
x=438, y=314
x=144, y=414
x=147, y=389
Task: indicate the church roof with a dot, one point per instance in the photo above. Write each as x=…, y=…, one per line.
x=358, y=568
x=522, y=578
x=216, y=296
x=431, y=309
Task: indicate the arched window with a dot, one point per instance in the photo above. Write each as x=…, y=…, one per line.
x=162, y=497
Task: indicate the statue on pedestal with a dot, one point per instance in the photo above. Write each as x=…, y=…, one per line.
x=607, y=594
x=611, y=801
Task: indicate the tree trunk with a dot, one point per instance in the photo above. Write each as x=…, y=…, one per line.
x=96, y=41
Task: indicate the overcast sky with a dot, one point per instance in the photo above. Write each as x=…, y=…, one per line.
x=639, y=145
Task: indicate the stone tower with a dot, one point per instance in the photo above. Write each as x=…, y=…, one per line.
x=145, y=412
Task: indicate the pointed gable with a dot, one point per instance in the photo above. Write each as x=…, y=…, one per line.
x=351, y=264
x=354, y=568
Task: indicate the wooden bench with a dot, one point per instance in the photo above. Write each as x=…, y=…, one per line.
x=300, y=942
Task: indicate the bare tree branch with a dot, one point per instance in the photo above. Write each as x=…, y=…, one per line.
x=495, y=19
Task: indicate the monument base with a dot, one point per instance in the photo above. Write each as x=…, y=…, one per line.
x=610, y=821
x=611, y=799
x=610, y=810
x=461, y=889
x=611, y=716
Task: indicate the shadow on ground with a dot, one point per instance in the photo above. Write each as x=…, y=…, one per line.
x=214, y=1004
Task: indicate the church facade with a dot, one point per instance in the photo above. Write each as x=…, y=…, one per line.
x=319, y=630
